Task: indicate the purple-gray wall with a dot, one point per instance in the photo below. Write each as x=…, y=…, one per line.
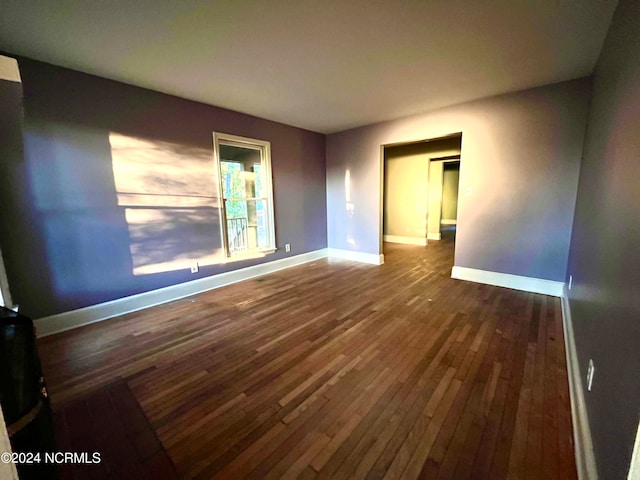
x=605, y=255
x=518, y=178
x=65, y=237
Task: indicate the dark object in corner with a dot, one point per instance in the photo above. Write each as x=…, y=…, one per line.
x=23, y=396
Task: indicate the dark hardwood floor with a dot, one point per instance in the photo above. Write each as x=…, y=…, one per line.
x=338, y=370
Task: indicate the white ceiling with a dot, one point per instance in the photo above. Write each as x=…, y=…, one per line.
x=324, y=65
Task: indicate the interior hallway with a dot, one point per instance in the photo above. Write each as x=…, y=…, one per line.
x=328, y=370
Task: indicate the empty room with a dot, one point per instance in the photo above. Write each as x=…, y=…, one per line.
x=320, y=239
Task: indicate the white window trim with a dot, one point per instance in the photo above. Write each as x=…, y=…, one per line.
x=5, y=294
x=228, y=139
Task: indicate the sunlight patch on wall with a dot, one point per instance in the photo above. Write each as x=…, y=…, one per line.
x=170, y=199
x=347, y=189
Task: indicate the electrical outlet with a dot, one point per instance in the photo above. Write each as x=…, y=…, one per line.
x=195, y=267
x=287, y=247
x=570, y=281
x=590, y=371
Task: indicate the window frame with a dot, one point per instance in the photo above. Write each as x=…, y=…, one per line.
x=264, y=147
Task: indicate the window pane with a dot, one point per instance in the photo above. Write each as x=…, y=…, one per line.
x=262, y=225
x=233, y=185
x=236, y=209
x=247, y=225
x=257, y=170
x=237, y=170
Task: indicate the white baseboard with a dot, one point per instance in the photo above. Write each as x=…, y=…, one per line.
x=406, y=240
x=448, y=222
x=585, y=457
x=517, y=282
x=96, y=313
x=361, y=257
x=434, y=236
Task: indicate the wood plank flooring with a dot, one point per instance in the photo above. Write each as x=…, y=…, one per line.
x=110, y=422
x=340, y=370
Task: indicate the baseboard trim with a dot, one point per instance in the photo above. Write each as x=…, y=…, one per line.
x=434, y=236
x=516, y=282
x=406, y=240
x=361, y=257
x=448, y=222
x=583, y=444
x=103, y=311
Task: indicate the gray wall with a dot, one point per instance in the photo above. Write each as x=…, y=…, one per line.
x=68, y=239
x=605, y=258
x=520, y=161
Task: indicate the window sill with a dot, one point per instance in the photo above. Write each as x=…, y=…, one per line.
x=250, y=255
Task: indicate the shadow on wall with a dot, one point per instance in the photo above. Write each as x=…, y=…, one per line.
x=170, y=200
x=119, y=207
x=115, y=192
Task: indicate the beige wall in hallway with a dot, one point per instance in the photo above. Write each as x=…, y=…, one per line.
x=436, y=170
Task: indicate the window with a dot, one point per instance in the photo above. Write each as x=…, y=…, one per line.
x=246, y=195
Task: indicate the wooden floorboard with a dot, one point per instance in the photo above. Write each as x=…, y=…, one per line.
x=334, y=369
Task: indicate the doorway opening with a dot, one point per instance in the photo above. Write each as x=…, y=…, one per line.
x=420, y=191
x=444, y=179
x=5, y=295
